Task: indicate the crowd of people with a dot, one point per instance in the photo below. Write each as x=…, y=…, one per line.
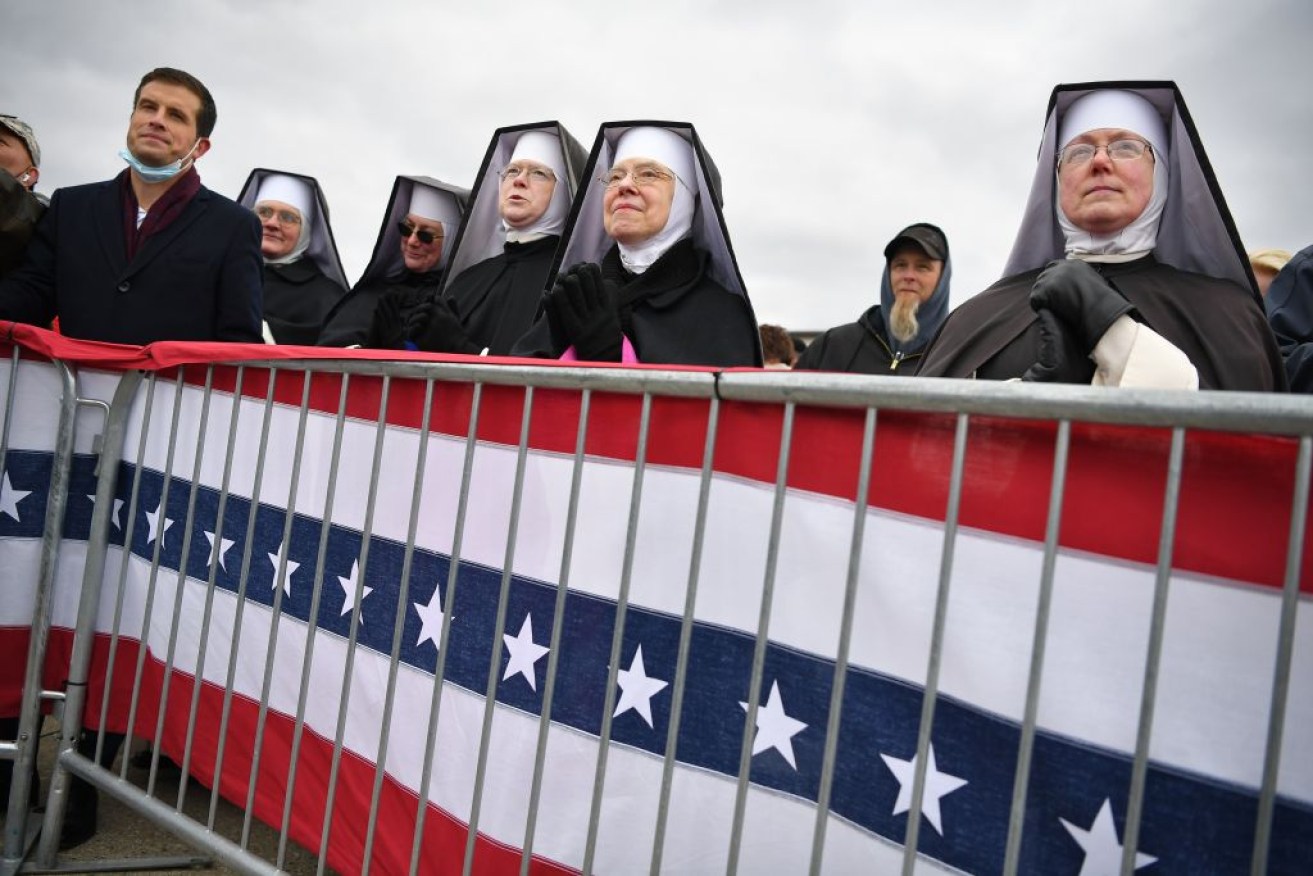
x=1127, y=269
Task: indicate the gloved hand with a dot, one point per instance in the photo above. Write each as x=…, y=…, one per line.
x=387, y=330
x=1057, y=362
x=1083, y=300
x=584, y=308
x=435, y=327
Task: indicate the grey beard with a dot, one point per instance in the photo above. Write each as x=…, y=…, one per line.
x=902, y=319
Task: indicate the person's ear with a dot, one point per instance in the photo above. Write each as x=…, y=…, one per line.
x=202, y=146
x=30, y=177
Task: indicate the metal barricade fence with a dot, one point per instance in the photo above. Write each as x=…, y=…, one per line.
x=494, y=491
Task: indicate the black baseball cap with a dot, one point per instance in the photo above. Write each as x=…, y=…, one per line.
x=926, y=236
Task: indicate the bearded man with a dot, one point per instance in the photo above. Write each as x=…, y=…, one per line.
x=890, y=337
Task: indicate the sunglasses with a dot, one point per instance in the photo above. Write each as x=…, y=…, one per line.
x=425, y=237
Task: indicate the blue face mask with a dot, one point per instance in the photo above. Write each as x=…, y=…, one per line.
x=156, y=174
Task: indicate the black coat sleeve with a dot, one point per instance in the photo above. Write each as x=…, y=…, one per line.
x=239, y=303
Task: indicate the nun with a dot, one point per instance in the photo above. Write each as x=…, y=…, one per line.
x=303, y=276
x=502, y=260
x=405, y=268
x=1127, y=270
x=647, y=272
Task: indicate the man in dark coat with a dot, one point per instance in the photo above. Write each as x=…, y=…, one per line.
x=405, y=269
x=303, y=276
x=667, y=289
x=1289, y=305
x=152, y=254
x=913, y=295
x=1127, y=270
x=20, y=206
x=502, y=261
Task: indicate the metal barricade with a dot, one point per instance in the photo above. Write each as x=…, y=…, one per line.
x=493, y=491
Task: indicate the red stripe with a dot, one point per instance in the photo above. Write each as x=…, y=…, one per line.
x=443, y=848
x=1236, y=492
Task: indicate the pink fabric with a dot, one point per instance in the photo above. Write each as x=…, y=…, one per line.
x=627, y=354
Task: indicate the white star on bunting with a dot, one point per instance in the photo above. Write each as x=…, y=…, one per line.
x=217, y=552
x=524, y=653
x=1103, y=851
x=115, y=518
x=775, y=729
x=9, y=498
x=153, y=523
x=937, y=786
x=349, y=590
x=292, y=566
x=637, y=689
x=430, y=617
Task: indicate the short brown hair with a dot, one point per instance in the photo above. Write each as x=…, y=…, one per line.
x=206, y=118
x=776, y=345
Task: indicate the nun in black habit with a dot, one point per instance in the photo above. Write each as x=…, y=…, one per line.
x=502, y=260
x=303, y=276
x=406, y=268
x=1163, y=298
x=647, y=272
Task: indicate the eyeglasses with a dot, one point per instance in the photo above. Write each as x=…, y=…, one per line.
x=1118, y=150
x=532, y=173
x=285, y=217
x=643, y=175
x=425, y=237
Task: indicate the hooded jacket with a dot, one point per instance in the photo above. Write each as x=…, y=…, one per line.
x=868, y=347
x=1289, y=306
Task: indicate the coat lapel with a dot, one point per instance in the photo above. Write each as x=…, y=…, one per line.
x=158, y=242
x=107, y=215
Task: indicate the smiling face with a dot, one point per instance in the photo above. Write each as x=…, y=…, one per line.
x=162, y=128
x=1103, y=196
x=422, y=257
x=279, y=234
x=638, y=205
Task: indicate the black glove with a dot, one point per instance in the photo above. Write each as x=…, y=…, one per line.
x=1053, y=364
x=435, y=327
x=1082, y=299
x=583, y=307
x=387, y=330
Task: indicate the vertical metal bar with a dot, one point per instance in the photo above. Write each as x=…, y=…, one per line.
x=29, y=718
x=618, y=634
x=353, y=631
x=1166, y=541
x=312, y=621
x=216, y=554
x=152, y=579
x=14, y=360
x=832, y=723
x=763, y=639
x=179, y=595
x=399, y=624
x=1021, y=780
x=275, y=612
x=558, y=619
x=685, y=637
x=129, y=532
x=499, y=628
x=243, y=578
x=1276, y=721
x=84, y=632
x=936, y=644
x=448, y=603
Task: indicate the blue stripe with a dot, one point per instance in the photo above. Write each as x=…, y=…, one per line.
x=1192, y=824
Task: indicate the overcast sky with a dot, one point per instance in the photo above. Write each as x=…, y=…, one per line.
x=834, y=122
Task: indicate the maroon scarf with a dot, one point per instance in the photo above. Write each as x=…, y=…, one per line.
x=162, y=213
